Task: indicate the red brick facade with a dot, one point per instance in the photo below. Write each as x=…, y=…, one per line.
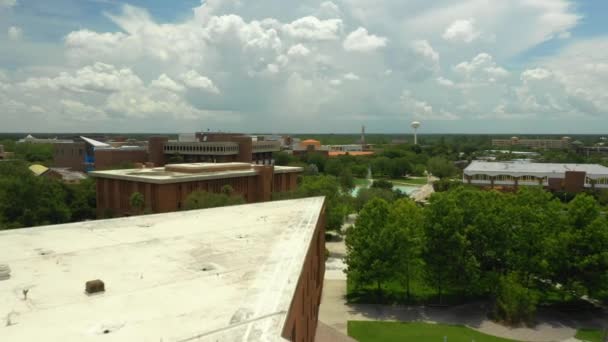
x=301, y=322
x=113, y=195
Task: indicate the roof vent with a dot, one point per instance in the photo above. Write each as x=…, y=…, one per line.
x=95, y=286
x=5, y=272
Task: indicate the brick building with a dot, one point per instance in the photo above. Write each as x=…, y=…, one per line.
x=540, y=144
x=165, y=189
x=243, y=273
x=213, y=148
x=556, y=177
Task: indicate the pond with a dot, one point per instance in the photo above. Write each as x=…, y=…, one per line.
x=409, y=190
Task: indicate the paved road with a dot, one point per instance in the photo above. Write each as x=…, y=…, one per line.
x=335, y=312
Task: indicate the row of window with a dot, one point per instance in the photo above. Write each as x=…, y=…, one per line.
x=599, y=181
x=200, y=148
x=72, y=152
x=508, y=178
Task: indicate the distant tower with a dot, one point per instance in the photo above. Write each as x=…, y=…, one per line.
x=415, y=125
x=362, y=135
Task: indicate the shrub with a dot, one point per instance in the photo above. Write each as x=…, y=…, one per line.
x=515, y=303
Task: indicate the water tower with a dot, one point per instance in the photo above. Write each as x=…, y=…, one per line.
x=415, y=125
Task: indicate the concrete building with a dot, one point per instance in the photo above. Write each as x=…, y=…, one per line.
x=541, y=144
x=557, y=177
x=243, y=273
x=165, y=189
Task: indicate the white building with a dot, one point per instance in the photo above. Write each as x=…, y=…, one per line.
x=570, y=177
x=241, y=273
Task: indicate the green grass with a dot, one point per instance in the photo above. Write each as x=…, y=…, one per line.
x=590, y=335
x=398, y=331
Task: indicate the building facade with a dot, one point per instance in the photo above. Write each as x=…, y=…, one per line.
x=556, y=177
x=213, y=148
x=166, y=189
x=243, y=273
x=540, y=144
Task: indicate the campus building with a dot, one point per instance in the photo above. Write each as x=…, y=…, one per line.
x=89, y=154
x=242, y=273
x=212, y=147
x=556, y=177
x=540, y=144
x=165, y=189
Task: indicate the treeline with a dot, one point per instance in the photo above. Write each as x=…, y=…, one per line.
x=392, y=161
x=518, y=250
x=27, y=200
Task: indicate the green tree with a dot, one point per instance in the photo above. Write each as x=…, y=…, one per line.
x=441, y=167
x=175, y=159
x=372, y=247
x=405, y=219
x=514, y=303
x=204, y=200
x=382, y=184
x=347, y=181
x=282, y=158
x=450, y=262
x=27, y=200
x=366, y=195
x=137, y=202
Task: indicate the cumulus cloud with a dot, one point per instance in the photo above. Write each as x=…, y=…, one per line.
x=298, y=50
x=422, y=110
x=15, y=33
x=361, y=41
x=193, y=79
x=312, y=28
x=165, y=82
x=481, y=67
x=462, y=30
x=269, y=61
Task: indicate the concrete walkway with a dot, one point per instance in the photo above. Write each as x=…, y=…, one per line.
x=335, y=312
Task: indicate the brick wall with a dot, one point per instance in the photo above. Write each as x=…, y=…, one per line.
x=301, y=322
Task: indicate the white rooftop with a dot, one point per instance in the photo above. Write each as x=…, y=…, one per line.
x=534, y=169
x=222, y=274
x=191, y=172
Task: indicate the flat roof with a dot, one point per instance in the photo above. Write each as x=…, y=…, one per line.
x=534, y=169
x=192, y=172
x=221, y=274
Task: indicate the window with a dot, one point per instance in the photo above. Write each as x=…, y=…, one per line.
x=528, y=179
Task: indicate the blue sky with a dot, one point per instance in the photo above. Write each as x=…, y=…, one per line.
x=466, y=66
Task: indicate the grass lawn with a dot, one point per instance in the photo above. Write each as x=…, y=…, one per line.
x=399, y=331
x=590, y=335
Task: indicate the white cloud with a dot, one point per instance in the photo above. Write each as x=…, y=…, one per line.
x=462, y=30
x=445, y=82
x=312, y=28
x=275, y=62
x=99, y=77
x=193, y=79
x=15, y=33
x=361, y=41
x=422, y=110
x=298, y=50
x=351, y=77
x=165, y=82
x=424, y=49
x=481, y=68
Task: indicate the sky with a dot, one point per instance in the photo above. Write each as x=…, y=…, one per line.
x=458, y=66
